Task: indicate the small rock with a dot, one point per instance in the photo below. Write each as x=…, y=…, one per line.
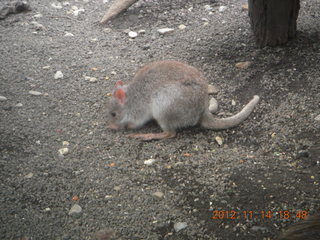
x=76, y=10
x=258, y=228
x=180, y=226
x=94, y=40
x=63, y=151
x=219, y=140
x=245, y=7
x=243, y=65
x=35, y=93
x=142, y=31
x=213, y=105
x=233, y=102
x=46, y=67
x=19, y=105
x=149, y=161
x=2, y=98
x=75, y=209
x=205, y=19
x=39, y=15
x=182, y=27
x=38, y=26
x=132, y=34
x=107, y=30
x=90, y=79
x=29, y=175
x=68, y=34
x=104, y=234
x=222, y=8
x=47, y=209
x=165, y=30
x=212, y=89
x=58, y=75
x=158, y=195
x=317, y=118
x=65, y=143
x=207, y=7
x=117, y=188
x=113, y=72
x=56, y=6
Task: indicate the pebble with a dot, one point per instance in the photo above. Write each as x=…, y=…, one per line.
x=222, y=8
x=19, y=105
x=245, y=7
x=46, y=67
x=158, y=195
x=243, y=65
x=258, y=228
x=317, y=118
x=219, y=140
x=212, y=89
x=213, y=105
x=38, y=26
x=77, y=10
x=29, y=175
x=35, y=93
x=142, y=31
x=75, y=209
x=47, y=209
x=65, y=143
x=56, y=6
x=207, y=7
x=182, y=27
x=63, y=151
x=68, y=34
x=39, y=15
x=149, y=161
x=2, y=98
x=233, y=102
x=58, y=75
x=107, y=30
x=180, y=226
x=132, y=34
x=90, y=79
x=165, y=30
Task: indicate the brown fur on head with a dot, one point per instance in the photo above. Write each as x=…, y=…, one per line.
x=115, y=106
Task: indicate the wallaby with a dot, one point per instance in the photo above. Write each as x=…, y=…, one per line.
x=172, y=93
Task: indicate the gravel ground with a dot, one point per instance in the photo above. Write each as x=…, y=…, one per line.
x=263, y=177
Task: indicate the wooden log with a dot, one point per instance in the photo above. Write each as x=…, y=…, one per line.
x=274, y=22
x=117, y=7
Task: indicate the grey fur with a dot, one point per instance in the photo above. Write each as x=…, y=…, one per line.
x=175, y=95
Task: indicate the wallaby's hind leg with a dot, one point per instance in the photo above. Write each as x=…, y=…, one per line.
x=152, y=136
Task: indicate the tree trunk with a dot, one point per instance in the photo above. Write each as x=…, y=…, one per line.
x=274, y=22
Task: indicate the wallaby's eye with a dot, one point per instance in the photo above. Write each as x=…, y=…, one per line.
x=113, y=114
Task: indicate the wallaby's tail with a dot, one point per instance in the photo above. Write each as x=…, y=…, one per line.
x=210, y=122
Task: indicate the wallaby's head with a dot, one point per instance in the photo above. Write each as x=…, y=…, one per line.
x=115, y=107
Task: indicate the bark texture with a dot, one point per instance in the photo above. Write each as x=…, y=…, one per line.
x=274, y=22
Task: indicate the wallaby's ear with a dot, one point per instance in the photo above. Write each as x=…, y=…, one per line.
x=120, y=96
x=119, y=83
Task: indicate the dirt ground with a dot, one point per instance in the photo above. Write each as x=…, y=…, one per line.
x=264, y=176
